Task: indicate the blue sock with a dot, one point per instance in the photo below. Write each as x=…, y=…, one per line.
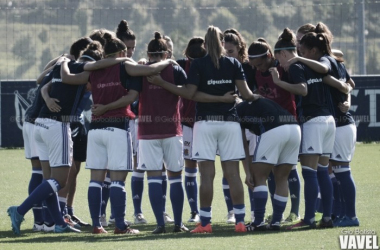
x=260, y=194
x=40, y=193
x=191, y=187
x=164, y=190
x=326, y=188
x=155, y=197
x=137, y=188
x=105, y=194
x=70, y=211
x=94, y=196
x=205, y=215
x=343, y=175
x=35, y=181
x=176, y=197
x=239, y=211
x=294, y=191
x=271, y=185
x=251, y=199
x=52, y=204
x=62, y=204
x=319, y=203
x=310, y=193
x=48, y=220
x=279, y=204
x=337, y=204
x=118, y=199
x=227, y=195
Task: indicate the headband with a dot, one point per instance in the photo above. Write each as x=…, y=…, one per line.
x=89, y=57
x=286, y=48
x=263, y=54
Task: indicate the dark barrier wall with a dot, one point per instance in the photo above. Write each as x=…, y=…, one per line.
x=17, y=96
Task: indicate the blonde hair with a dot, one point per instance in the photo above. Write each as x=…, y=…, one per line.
x=213, y=42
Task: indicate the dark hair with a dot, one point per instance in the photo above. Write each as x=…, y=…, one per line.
x=97, y=35
x=306, y=28
x=94, y=50
x=195, y=48
x=79, y=45
x=287, y=41
x=259, y=47
x=213, y=42
x=123, y=32
x=322, y=28
x=113, y=44
x=233, y=36
x=158, y=44
x=320, y=41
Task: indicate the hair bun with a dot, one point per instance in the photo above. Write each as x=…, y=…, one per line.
x=123, y=26
x=287, y=35
x=260, y=39
x=95, y=45
x=108, y=36
x=157, y=35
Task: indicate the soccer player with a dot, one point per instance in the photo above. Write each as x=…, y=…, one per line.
x=318, y=126
x=194, y=49
x=216, y=126
x=269, y=120
x=262, y=58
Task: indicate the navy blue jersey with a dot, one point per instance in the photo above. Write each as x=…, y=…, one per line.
x=338, y=70
x=33, y=111
x=249, y=73
x=263, y=115
x=314, y=104
x=68, y=95
x=213, y=81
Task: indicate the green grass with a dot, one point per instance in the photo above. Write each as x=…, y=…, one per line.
x=15, y=173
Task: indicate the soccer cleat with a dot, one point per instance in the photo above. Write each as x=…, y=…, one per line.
x=159, y=230
x=99, y=230
x=179, y=229
x=65, y=229
x=240, y=228
x=48, y=229
x=326, y=224
x=194, y=217
x=38, y=227
x=70, y=222
x=111, y=221
x=231, y=217
x=16, y=219
x=302, y=225
x=250, y=227
x=79, y=221
x=292, y=218
x=139, y=219
x=269, y=218
x=274, y=227
x=127, y=230
x=168, y=219
x=103, y=220
x=199, y=229
x=347, y=222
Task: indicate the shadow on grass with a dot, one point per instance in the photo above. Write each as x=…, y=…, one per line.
x=28, y=236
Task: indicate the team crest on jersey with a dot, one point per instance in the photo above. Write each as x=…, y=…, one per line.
x=22, y=105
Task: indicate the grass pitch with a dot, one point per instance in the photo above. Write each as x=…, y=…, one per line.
x=15, y=174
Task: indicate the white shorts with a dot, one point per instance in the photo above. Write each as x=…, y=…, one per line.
x=344, y=144
x=279, y=145
x=152, y=153
x=318, y=135
x=252, y=139
x=133, y=128
x=29, y=141
x=187, y=142
x=109, y=148
x=53, y=140
x=210, y=136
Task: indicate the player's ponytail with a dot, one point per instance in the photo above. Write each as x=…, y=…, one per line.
x=157, y=46
x=123, y=32
x=113, y=45
x=94, y=51
x=213, y=42
x=286, y=41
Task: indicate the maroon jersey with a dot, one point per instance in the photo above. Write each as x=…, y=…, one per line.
x=188, y=106
x=267, y=88
x=107, y=87
x=159, y=116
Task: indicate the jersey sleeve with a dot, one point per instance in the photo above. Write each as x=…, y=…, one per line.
x=327, y=63
x=239, y=71
x=296, y=74
x=134, y=83
x=180, y=76
x=194, y=73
